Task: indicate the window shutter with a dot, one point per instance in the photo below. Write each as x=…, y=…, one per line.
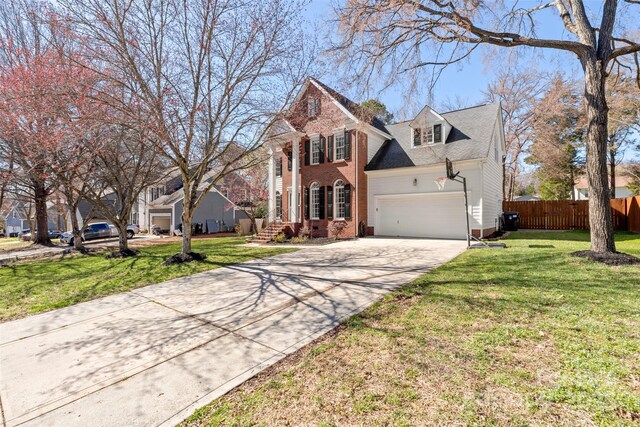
x=347, y=201
x=329, y=202
x=322, y=149
x=347, y=145
x=330, y=149
x=437, y=133
x=306, y=203
x=321, y=197
x=279, y=166
x=289, y=160
x=307, y=152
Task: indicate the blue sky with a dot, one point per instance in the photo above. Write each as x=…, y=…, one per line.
x=466, y=81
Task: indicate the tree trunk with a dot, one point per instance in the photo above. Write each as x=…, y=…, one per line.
x=75, y=229
x=612, y=165
x=123, y=243
x=186, y=230
x=42, y=220
x=600, y=219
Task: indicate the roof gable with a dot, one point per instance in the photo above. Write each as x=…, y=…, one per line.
x=470, y=138
x=351, y=110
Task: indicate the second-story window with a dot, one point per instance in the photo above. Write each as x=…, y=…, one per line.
x=340, y=146
x=315, y=151
x=279, y=166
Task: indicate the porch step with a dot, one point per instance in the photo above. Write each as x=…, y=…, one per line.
x=268, y=234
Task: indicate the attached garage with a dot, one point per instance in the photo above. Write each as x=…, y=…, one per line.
x=428, y=215
x=163, y=221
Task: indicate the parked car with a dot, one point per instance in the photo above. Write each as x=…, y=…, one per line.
x=132, y=230
x=99, y=230
x=25, y=235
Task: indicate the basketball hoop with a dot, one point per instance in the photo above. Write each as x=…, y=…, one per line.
x=440, y=182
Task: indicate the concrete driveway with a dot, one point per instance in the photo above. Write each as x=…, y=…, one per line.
x=153, y=355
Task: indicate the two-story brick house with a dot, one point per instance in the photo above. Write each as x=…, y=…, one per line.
x=333, y=162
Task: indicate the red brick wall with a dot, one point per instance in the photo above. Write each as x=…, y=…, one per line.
x=326, y=174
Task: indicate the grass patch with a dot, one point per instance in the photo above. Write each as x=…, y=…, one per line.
x=37, y=286
x=527, y=335
x=11, y=243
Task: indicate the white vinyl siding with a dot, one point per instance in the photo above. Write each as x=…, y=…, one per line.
x=400, y=182
x=492, y=187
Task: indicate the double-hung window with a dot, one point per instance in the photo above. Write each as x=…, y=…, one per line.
x=340, y=146
x=339, y=199
x=427, y=136
x=315, y=201
x=315, y=151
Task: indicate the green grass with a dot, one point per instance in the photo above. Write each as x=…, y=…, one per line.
x=10, y=243
x=528, y=335
x=37, y=286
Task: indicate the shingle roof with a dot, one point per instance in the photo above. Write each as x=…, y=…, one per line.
x=361, y=112
x=470, y=138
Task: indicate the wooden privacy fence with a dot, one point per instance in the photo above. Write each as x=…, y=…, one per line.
x=573, y=215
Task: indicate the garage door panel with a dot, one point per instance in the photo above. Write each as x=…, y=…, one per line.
x=435, y=217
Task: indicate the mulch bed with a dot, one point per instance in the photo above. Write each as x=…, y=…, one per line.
x=181, y=259
x=123, y=254
x=615, y=258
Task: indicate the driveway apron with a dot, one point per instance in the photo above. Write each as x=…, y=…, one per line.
x=153, y=355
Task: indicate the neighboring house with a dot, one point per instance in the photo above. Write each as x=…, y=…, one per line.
x=581, y=188
x=16, y=217
x=331, y=160
x=162, y=206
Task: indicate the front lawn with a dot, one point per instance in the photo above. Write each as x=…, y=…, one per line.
x=527, y=335
x=36, y=286
x=11, y=243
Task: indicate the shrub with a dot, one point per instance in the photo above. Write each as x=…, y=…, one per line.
x=336, y=228
x=238, y=229
x=298, y=240
x=304, y=232
x=280, y=238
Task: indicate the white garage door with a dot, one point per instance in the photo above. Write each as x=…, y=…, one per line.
x=437, y=216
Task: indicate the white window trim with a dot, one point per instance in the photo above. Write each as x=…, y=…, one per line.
x=337, y=217
x=315, y=187
x=314, y=140
x=433, y=135
x=335, y=147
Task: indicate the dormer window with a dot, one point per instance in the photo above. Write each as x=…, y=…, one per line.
x=313, y=107
x=427, y=135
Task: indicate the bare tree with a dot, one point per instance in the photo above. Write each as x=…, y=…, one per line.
x=517, y=91
x=212, y=74
x=394, y=35
x=122, y=168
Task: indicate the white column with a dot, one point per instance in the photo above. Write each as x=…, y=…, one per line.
x=295, y=161
x=272, y=186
